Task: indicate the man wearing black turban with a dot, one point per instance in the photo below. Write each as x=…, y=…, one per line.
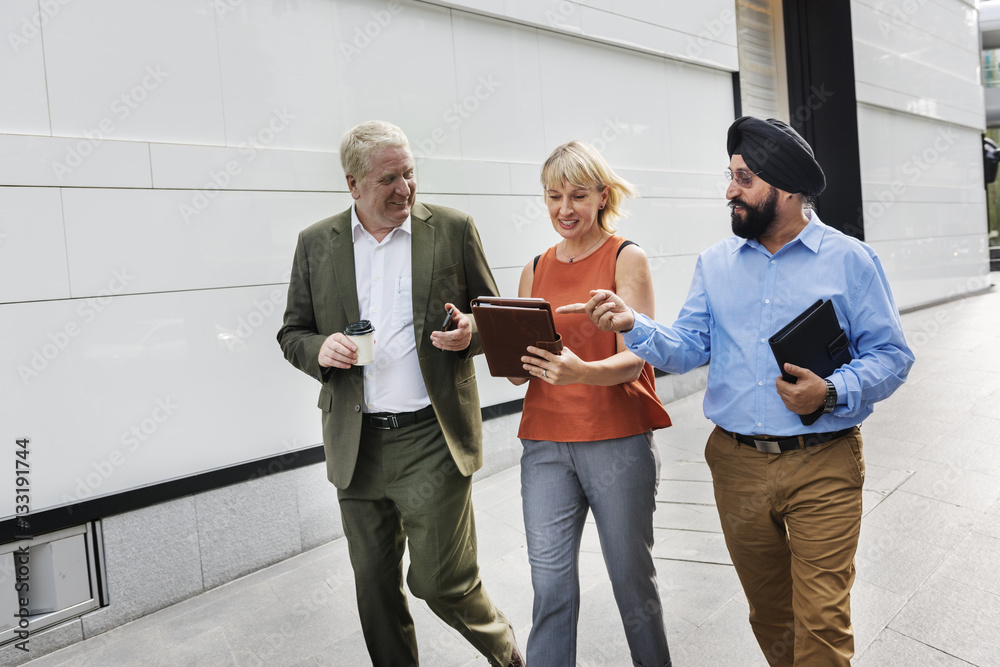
x=785, y=457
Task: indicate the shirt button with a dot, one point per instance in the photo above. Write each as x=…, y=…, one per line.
x=370, y=376
x=378, y=279
x=773, y=262
x=760, y=383
x=763, y=340
x=767, y=301
x=759, y=424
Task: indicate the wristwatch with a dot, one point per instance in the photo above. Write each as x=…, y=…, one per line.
x=831, y=398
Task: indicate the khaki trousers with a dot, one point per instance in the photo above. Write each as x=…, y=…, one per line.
x=408, y=492
x=791, y=523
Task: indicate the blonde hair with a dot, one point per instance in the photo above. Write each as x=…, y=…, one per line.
x=580, y=164
x=361, y=141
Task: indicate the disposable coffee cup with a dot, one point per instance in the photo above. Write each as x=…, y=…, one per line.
x=362, y=334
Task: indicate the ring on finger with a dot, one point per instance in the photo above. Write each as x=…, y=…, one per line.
x=545, y=373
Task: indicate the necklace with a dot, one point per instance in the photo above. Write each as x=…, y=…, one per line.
x=599, y=239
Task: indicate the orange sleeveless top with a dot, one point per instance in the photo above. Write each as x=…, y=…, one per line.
x=581, y=412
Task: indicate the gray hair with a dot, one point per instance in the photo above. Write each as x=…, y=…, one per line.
x=361, y=141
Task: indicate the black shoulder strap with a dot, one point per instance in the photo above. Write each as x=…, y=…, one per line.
x=534, y=264
x=622, y=247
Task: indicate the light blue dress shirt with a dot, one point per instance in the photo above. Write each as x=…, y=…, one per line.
x=741, y=295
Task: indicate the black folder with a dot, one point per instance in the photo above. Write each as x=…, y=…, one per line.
x=813, y=340
x=508, y=326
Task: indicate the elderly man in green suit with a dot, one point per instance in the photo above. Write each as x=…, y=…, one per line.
x=403, y=434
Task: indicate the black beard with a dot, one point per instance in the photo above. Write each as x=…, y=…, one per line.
x=755, y=220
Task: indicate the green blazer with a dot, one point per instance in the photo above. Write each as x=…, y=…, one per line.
x=448, y=266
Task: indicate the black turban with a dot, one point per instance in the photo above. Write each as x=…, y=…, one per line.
x=776, y=153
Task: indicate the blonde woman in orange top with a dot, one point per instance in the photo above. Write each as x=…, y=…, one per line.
x=588, y=419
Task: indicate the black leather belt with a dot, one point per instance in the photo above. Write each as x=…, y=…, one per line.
x=770, y=445
x=389, y=420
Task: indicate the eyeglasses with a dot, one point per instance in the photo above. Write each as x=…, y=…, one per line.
x=742, y=177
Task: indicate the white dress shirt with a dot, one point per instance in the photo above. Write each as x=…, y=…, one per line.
x=383, y=273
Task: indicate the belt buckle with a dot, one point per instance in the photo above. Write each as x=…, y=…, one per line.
x=383, y=423
x=767, y=446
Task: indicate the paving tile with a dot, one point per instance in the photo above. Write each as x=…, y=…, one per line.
x=952, y=617
x=891, y=649
x=497, y=538
x=690, y=545
x=40, y=644
x=925, y=519
x=969, y=454
x=679, y=491
x=287, y=632
x=723, y=640
x=221, y=611
x=889, y=558
x=206, y=649
x=949, y=483
x=872, y=608
x=686, y=470
x=131, y=647
x=695, y=591
x=974, y=562
x=348, y=651
x=681, y=516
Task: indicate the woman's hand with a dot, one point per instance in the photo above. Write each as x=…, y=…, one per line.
x=565, y=368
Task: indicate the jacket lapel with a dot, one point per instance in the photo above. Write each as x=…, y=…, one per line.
x=422, y=263
x=342, y=254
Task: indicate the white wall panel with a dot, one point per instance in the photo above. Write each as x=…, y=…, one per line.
x=499, y=85
x=920, y=58
x=925, y=270
x=240, y=238
x=281, y=56
x=912, y=220
x=671, y=280
x=247, y=167
x=150, y=70
x=32, y=245
x=918, y=153
x=629, y=126
x=513, y=229
x=955, y=52
x=700, y=107
x=149, y=388
x=670, y=227
x=404, y=73
x=24, y=104
x=79, y=162
x=955, y=21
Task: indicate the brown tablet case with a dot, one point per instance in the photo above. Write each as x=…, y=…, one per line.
x=508, y=326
